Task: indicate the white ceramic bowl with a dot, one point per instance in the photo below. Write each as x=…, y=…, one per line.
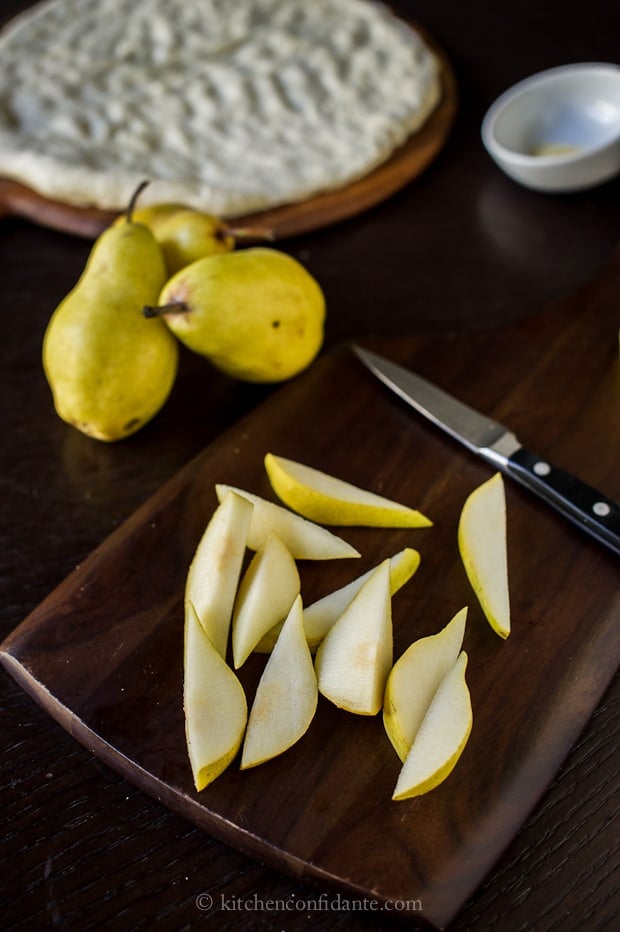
x=558, y=130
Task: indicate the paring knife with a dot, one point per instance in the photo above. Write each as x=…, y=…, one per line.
x=590, y=510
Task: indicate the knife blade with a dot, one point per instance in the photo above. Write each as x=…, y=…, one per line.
x=590, y=510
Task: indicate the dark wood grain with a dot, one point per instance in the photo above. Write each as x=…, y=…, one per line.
x=323, y=209
x=103, y=653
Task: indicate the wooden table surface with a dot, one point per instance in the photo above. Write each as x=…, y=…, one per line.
x=461, y=249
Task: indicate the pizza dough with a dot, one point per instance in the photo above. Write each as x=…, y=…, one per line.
x=227, y=107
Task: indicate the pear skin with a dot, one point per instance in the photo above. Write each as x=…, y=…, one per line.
x=110, y=369
x=153, y=216
x=326, y=499
x=186, y=235
x=256, y=313
x=189, y=235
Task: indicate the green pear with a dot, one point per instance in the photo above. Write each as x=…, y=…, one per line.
x=152, y=216
x=109, y=368
x=189, y=235
x=186, y=235
x=257, y=314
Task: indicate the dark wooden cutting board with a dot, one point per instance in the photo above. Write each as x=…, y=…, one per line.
x=103, y=653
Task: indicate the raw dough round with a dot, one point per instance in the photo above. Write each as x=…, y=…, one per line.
x=227, y=107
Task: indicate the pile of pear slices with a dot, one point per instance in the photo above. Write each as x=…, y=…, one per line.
x=424, y=695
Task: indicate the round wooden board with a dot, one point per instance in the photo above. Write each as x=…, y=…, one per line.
x=405, y=164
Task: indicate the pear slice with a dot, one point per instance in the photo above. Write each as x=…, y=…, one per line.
x=414, y=680
x=305, y=540
x=441, y=738
x=355, y=656
x=266, y=593
x=286, y=697
x=483, y=549
x=321, y=615
x=215, y=569
x=214, y=704
x=327, y=500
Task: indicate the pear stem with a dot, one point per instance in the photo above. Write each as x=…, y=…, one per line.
x=175, y=307
x=256, y=233
x=134, y=197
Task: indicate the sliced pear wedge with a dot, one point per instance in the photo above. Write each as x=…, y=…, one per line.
x=328, y=500
x=355, y=656
x=214, y=572
x=266, y=592
x=214, y=704
x=305, y=540
x=441, y=738
x=414, y=680
x=286, y=697
x=320, y=616
x=483, y=549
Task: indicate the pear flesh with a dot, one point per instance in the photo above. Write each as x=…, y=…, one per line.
x=321, y=615
x=414, y=680
x=257, y=314
x=355, y=657
x=483, y=547
x=286, y=697
x=109, y=369
x=441, y=738
x=214, y=572
x=304, y=539
x=214, y=705
x=329, y=500
x=266, y=593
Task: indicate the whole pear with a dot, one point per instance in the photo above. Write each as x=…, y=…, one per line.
x=186, y=234
x=257, y=314
x=109, y=368
x=152, y=215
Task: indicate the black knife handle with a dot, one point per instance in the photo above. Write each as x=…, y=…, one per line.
x=580, y=503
